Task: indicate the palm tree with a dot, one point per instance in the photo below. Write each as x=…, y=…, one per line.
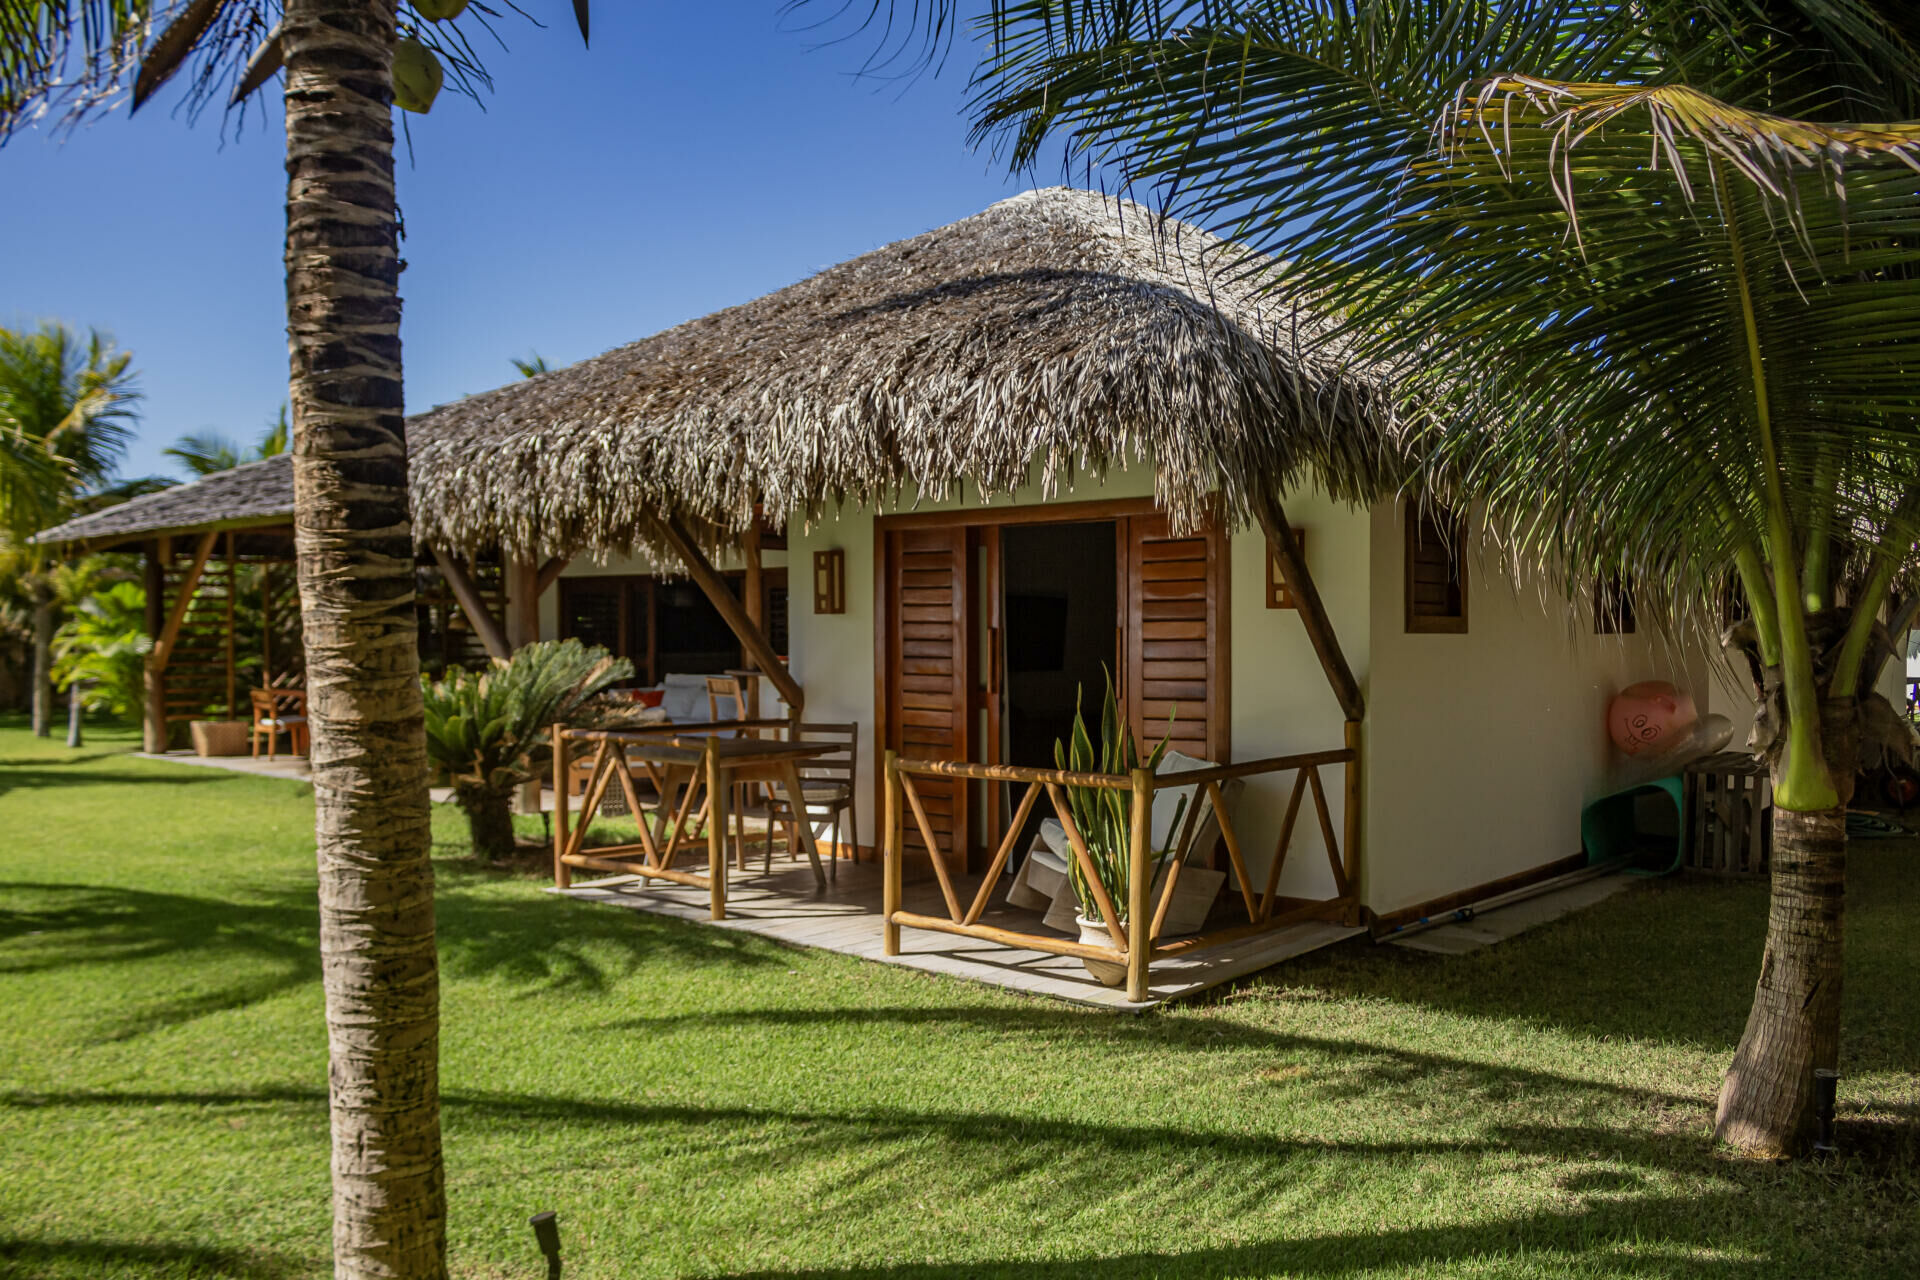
x=204, y=454
x=66, y=412
x=209, y=452
x=353, y=540
x=1691, y=317
x=532, y=367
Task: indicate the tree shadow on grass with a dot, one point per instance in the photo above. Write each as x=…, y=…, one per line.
x=1648, y=1238
x=248, y=950
x=545, y=942
x=43, y=1259
x=15, y=778
x=1611, y=1210
x=1671, y=960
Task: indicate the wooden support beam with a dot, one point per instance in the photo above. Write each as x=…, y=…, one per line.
x=170, y=633
x=752, y=581
x=1273, y=520
x=523, y=604
x=154, y=729
x=233, y=587
x=550, y=573
x=473, y=604
x=752, y=639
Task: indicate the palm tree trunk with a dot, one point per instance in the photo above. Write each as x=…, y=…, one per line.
x=354, y=545
x=489, y=821
x=43, y=629
x=1767, y=1101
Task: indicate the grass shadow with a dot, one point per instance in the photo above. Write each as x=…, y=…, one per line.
x=50, y=1259
x=1671, y=960
x=1612, y=1213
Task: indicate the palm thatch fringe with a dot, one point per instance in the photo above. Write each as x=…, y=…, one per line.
x=1057, y=331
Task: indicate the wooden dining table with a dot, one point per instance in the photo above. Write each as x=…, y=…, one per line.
x=680, y=764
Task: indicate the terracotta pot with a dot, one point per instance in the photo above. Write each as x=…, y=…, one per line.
x=1093, y=933
x=1645, y=717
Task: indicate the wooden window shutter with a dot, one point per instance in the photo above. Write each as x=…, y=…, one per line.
x=1174, y=648
x=926, y=673
x=1436, y=571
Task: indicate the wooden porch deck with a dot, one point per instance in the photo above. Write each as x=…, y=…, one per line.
x=846, y=918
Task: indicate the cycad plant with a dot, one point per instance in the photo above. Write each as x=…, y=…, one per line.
x=1650, y=272
x=1104, y=814
x=487, y=731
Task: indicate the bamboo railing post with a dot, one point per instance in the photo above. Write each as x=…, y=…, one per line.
x=890, y=833
x=1350, y=822
x=1139, y=885
x=716, y=827
x=562, y=874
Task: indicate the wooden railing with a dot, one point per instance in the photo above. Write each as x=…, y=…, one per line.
x=903, y=804
x=653, y=855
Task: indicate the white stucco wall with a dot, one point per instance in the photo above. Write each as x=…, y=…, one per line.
x=1280, y=700
x=1482, y=748
x=1282, y=703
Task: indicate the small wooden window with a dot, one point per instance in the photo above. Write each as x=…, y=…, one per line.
x=1279, y=595
x=830, y=580
x=1613, y=613
x=1436, y=571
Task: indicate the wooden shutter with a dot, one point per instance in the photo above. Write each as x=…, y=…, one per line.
x=926, y=673
x=1436, y=571
x=1174, y=644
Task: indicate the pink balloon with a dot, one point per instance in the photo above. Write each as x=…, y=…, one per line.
x=1644, y=716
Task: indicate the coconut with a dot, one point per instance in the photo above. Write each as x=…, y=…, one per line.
x=416, y=76
x=439, y=10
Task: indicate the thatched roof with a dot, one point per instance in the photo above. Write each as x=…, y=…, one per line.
x=248, y=496
x=1056, y=330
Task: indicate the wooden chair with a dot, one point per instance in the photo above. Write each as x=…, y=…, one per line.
x=827, y=790
x=278, y=711
x=728, y=687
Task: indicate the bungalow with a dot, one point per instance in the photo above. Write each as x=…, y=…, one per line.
x=1053, y=441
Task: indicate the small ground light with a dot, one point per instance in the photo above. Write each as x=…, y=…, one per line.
x=1826, y=1084
x=546, y=1229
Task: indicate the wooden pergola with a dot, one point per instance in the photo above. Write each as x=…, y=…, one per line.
x=223, y=545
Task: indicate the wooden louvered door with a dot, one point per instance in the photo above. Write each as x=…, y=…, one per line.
x=1174, y=635
x=927, y=673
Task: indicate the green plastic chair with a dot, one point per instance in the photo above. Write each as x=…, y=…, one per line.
x=1609, y=830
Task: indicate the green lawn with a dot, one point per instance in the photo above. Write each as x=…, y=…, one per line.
x=693, y=1102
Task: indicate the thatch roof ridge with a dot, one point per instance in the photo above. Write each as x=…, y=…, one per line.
x=249, y=494
x=1056, y=330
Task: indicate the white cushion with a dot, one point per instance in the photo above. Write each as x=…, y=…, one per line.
x=1054, y=851
x=1166, y=802
x=1166, y=807
x=686, y=698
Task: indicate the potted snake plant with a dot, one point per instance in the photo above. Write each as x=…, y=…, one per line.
x=1104, y=818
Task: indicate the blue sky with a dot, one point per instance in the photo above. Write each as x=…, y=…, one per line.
x=698, y=156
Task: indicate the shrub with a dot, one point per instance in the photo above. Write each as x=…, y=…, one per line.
x=104, y=643
x=487, y=732
x=1102, y=813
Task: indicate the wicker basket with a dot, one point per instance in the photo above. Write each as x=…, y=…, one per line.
x=220, y=737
